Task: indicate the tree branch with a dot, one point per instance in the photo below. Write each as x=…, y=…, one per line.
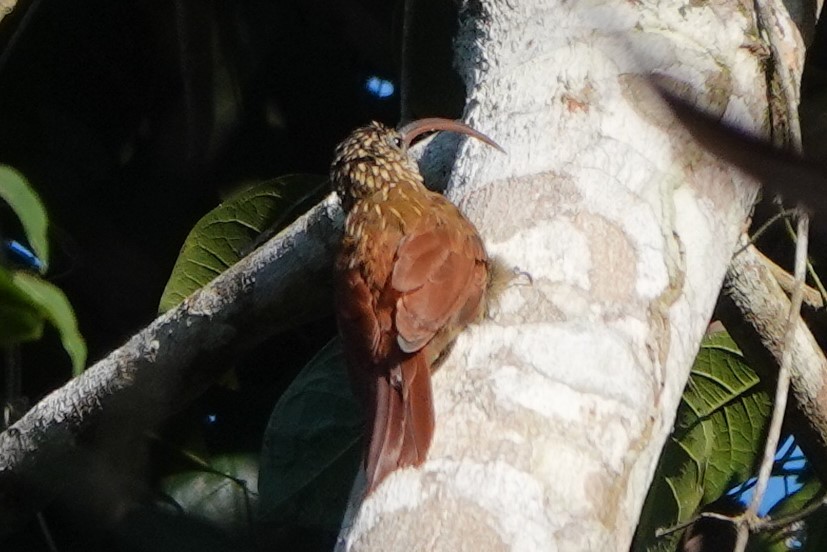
x=626, y=227
x=284, y=283
x=762, y=304
x=782, y=387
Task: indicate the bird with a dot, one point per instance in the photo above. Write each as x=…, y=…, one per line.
x=411, y=273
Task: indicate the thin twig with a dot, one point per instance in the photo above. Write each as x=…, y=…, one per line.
x=782, y=213
x=47, y=534
x=787, y=95
x=771, y=525
x=810, y=269
x=817, y=297
x=822, y=291
x=786, y=280
x=661, y=532
x=782, y=387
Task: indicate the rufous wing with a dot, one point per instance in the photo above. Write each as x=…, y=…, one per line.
x=394, y=387
x=438, y=278
x=440, y=274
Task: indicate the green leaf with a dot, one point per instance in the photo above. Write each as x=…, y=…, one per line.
x=718, y=437
x=20, y=318
x=15, y=190
x=312, y=446
x=54, y=307
x=228, y=232
x=222, y=493
x=816, y=523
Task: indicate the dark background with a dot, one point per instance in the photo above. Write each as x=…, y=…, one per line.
x=133, y=119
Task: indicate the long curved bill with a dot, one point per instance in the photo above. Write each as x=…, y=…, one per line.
x=415, y=128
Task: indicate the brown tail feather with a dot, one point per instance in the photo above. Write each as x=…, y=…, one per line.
x=419, y=420
x=403, y=422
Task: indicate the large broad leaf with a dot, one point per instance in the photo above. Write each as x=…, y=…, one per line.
x=228, y=232
x=15, y=190
x=312, y=446
x=27, y=301
x=718, y=437
x=53, y=306
x=223, y=492
x=20, y=318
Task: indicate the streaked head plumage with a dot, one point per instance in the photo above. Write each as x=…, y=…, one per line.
x=369, y=158
x=376, y=156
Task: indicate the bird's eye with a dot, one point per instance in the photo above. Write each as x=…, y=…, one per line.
x=396, y=141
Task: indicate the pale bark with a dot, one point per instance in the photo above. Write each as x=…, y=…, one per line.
x=763, y=305
x=551, y=416
x=6, y=7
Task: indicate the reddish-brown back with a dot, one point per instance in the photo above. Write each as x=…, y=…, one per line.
x=410, y=274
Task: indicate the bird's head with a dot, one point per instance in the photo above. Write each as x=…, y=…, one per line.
x=375, y=155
